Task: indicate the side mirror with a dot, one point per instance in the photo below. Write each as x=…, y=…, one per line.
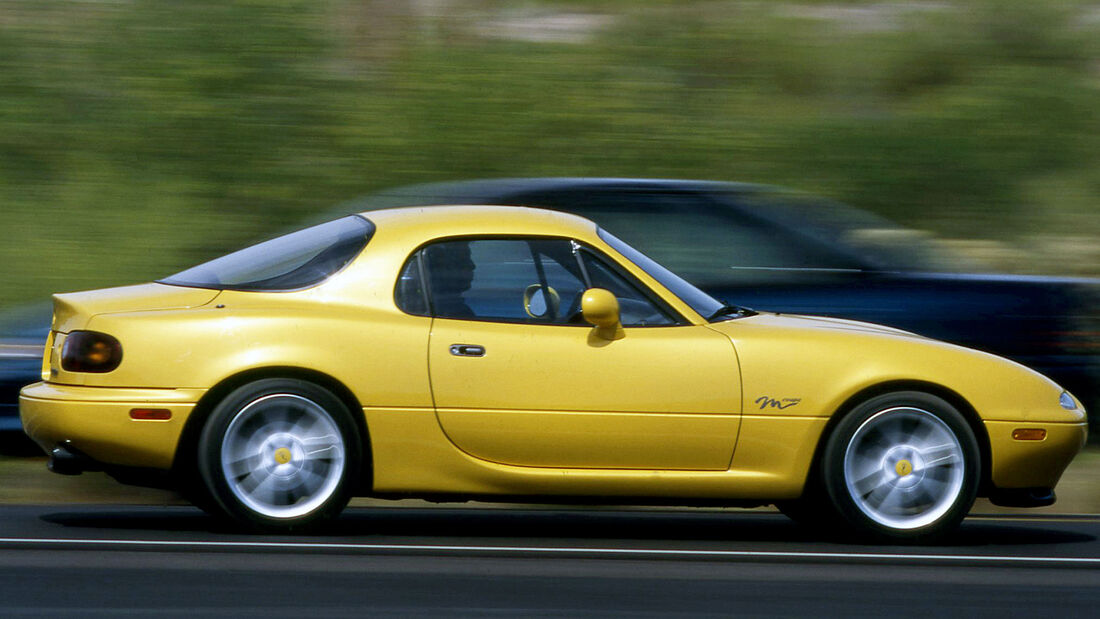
x=601, y=308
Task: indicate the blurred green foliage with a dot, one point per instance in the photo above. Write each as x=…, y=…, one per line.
x=140, y=137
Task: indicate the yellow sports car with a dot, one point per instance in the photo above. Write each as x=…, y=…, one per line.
x=501, y=353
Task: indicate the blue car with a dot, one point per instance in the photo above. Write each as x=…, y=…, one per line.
x=772, y=249
x=768, y=249
x=23, y=334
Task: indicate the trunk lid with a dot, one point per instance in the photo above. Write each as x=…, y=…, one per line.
x=73, y=310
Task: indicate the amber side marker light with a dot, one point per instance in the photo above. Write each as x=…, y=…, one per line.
x=1029, y=434
x=151, y=414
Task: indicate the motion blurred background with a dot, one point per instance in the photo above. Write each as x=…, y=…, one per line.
x=140, y=137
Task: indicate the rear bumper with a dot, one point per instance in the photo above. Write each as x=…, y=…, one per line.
x=95, y=422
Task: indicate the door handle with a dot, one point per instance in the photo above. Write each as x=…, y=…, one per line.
x=467, y=350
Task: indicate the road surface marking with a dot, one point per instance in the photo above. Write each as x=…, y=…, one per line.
x=552, y=550
x=1038, y=518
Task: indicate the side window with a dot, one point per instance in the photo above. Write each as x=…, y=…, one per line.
x=533, y=281
x=635, y=308
x=564, y=279
x=703, y=240
x=510, y=280
x=409, y=294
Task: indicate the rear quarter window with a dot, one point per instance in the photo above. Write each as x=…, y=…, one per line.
x=297, y=260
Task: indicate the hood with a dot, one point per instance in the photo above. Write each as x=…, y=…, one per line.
x=73, y=310
x=797, y=321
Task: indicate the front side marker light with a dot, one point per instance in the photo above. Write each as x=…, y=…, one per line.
x=1067, y=401
x=90, y=351
x=1029, y=434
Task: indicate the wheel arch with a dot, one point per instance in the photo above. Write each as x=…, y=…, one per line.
x=184, y=463
x=951, y=397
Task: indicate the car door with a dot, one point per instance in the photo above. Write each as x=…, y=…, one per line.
x=518, y=378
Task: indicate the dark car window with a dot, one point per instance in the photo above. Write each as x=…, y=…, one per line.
x=696, y=237
x=296, y=260
x=490, y=279
x=410, y=295
x=537, y=281
x=704, y=304
x=636, y=309
x=874, y=241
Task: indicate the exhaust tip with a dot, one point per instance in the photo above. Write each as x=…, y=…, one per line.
x=66, y=460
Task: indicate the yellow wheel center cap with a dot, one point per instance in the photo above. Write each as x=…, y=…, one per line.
x=903, y=468
x=282, y=455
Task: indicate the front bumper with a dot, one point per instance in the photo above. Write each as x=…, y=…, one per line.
x=1029, y=465
x=96, y=422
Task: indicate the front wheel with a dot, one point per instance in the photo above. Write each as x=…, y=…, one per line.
x=279, y=454
x=902, y=466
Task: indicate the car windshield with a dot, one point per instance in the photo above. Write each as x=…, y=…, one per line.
x=289, y=262
x=704, y=304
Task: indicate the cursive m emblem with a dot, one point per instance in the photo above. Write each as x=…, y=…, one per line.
x=764, y=402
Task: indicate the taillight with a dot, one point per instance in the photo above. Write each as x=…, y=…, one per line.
x=90, y=351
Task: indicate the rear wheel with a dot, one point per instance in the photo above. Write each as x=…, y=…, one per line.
x=279, y=454
x=902, y=466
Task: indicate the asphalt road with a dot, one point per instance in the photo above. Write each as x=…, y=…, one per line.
x=146, y=561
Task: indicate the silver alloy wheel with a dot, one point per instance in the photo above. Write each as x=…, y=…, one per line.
x=283, y=455
x=904, y=467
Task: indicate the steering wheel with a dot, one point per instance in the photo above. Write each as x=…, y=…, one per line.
x=541, y=303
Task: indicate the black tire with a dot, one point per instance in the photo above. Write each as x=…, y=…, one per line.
x=812, y=510
x=804, y=512
x=900, y=467
x=279, y=454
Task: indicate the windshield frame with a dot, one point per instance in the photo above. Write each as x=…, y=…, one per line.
x=700, y=302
